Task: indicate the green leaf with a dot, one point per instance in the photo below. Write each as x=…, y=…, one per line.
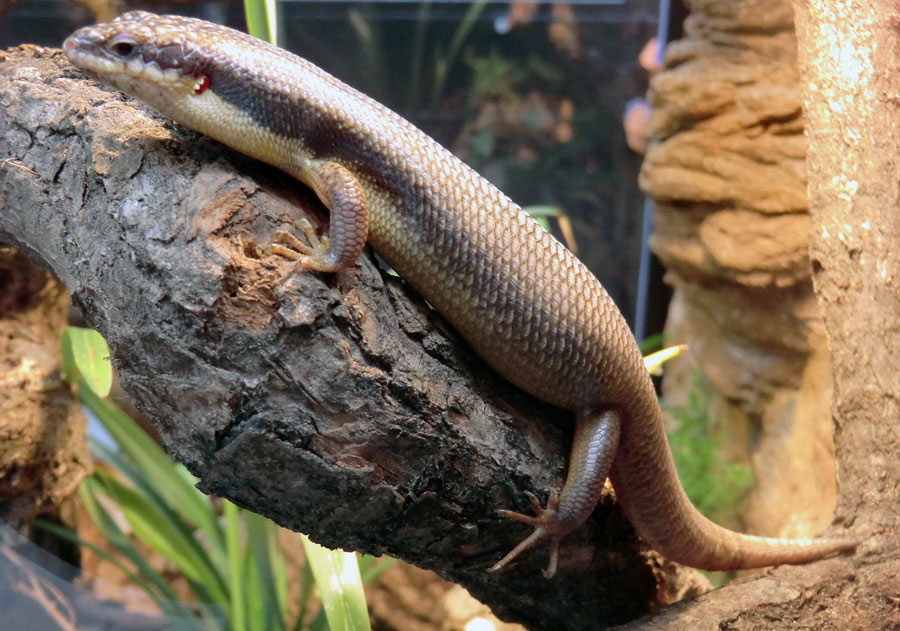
x=715, y=487
x=279, y=572
x=185, y=533
x=543, y=215
x=262, y=19
x=652, y=343
x=307, y=580
x=653, y=362
x=235, y=566
x=320, y=622
x=161, y=532
x=340, y=587
x=116, y=538
x=201, y=614
x=86, y=355
x=171, y=481
x=267, y=592
x=371, y=567
x=444, y=62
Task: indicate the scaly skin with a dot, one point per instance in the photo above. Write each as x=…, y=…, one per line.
x=522, y=300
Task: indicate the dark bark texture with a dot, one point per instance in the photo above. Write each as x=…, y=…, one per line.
x=338, y=405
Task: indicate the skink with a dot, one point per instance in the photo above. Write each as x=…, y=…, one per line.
x=527, y=305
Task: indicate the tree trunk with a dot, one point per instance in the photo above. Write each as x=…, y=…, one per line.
x=848, y=55
x=850, y=63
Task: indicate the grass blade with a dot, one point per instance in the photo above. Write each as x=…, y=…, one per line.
x=116, y=538
x=340, y=587
x=653, y=362
x=235, y=566
x=154, y=465
x=444, y=63
x=160, y=530
x=262, y=19
x=371, y=567
x=266, y=598
x=307, y=580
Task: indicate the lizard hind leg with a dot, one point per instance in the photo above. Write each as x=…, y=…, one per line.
x=593, y=450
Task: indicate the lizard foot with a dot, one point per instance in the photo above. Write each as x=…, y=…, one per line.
x=546, y=526
x=310, y=255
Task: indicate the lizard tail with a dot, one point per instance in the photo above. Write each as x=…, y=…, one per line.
x=651, y=495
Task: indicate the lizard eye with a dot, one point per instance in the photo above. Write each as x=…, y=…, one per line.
x=123, y=46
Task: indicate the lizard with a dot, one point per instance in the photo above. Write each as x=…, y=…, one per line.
x=523, y=301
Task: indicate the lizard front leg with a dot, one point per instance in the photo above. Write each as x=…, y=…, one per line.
x=345, y=198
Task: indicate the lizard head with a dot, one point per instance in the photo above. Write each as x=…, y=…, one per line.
x=145, y=55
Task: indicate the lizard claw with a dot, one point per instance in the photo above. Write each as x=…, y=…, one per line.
x=546, y=525
x=310, y=255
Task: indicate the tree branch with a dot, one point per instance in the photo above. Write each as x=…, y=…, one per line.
x=338, y=405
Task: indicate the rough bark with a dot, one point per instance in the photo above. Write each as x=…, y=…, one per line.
x=338, y=405
x=850, y=60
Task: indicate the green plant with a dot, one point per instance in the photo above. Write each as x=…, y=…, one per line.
x=653, y=343
x=543, y=215
x=495, y=76
x=262, y=19
x=445, y=58
x=715, y=487
x=229, y=556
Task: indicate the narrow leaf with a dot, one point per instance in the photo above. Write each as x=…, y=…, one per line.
x=157, y=530
x=307, y=581
x=371, y=567
x=116, y=538
x=653, y=363
x=543, y=215
x=262, y=20
x=235, y=581
x=340, y=587
x=85, y=354
x=176, y=486
x=266, y=600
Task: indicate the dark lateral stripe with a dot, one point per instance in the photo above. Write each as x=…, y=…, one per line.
x=281, y=112
x=285, y=115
